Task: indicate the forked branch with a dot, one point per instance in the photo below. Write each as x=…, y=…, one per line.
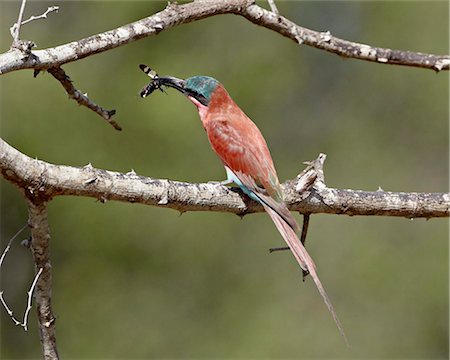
x=175, y=15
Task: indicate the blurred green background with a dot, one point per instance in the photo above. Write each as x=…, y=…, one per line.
x=132, y=281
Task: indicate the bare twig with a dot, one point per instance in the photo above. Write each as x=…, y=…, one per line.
x=2, y=258
x=8, y=246
x=24, y=323
x=175, y=15
x=82, y=99
x=305, y=228
x=273, y=6
x=105, y=185
x=49, y=10
x=30, y=299
x=8, y=310
x=15, y=29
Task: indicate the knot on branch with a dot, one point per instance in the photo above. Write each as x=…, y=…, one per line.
x=24, y=47
x=310, y=176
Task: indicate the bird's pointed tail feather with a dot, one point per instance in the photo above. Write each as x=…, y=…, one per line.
x=304, y=260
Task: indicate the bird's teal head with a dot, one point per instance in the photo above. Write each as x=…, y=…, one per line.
x=199, y=88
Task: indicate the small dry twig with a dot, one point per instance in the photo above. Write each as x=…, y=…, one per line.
x=24, y=323
x=273, y=6
x=30, y=297
x=2, y=258
x=81, y=98
x=8, y=310
x=14, y=30
x=10, y=242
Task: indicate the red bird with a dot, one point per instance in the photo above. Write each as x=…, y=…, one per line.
x=244, y=152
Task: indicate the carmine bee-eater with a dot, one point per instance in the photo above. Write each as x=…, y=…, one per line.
x=244, y=152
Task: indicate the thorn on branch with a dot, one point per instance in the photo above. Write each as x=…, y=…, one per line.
x=82, y=99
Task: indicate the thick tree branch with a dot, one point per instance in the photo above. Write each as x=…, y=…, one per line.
x=175, y=15
x=40, y=247
x=344, y=48
x=42, y=181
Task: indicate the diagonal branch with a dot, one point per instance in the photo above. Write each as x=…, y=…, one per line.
x=82, y=99
x=325, y=41
x=175, y=15
x=43, y=181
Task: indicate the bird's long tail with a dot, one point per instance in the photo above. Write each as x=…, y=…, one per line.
x=304, y=260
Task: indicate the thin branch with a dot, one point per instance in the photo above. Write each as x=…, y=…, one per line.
x=49, y=10
x=273, y=6
x=40, y=247
x=30, y=299
x=2, y=258
x=42, y=181
x=15, y=29
x=8, y=310
x=82, y=98
x=8, y=246
x=175, y=15
x=24, y=323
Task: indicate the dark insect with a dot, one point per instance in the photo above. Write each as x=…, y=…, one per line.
x=152, y=85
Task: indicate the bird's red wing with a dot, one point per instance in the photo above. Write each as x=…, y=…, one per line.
x=242, y=148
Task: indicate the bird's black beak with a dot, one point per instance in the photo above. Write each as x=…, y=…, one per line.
x=159, y=82
x=169, y=81
x=173, y=82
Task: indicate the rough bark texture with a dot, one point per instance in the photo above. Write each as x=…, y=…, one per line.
x=40, y=247
x=43, y=180
x=174, y=15
x=40, y=181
